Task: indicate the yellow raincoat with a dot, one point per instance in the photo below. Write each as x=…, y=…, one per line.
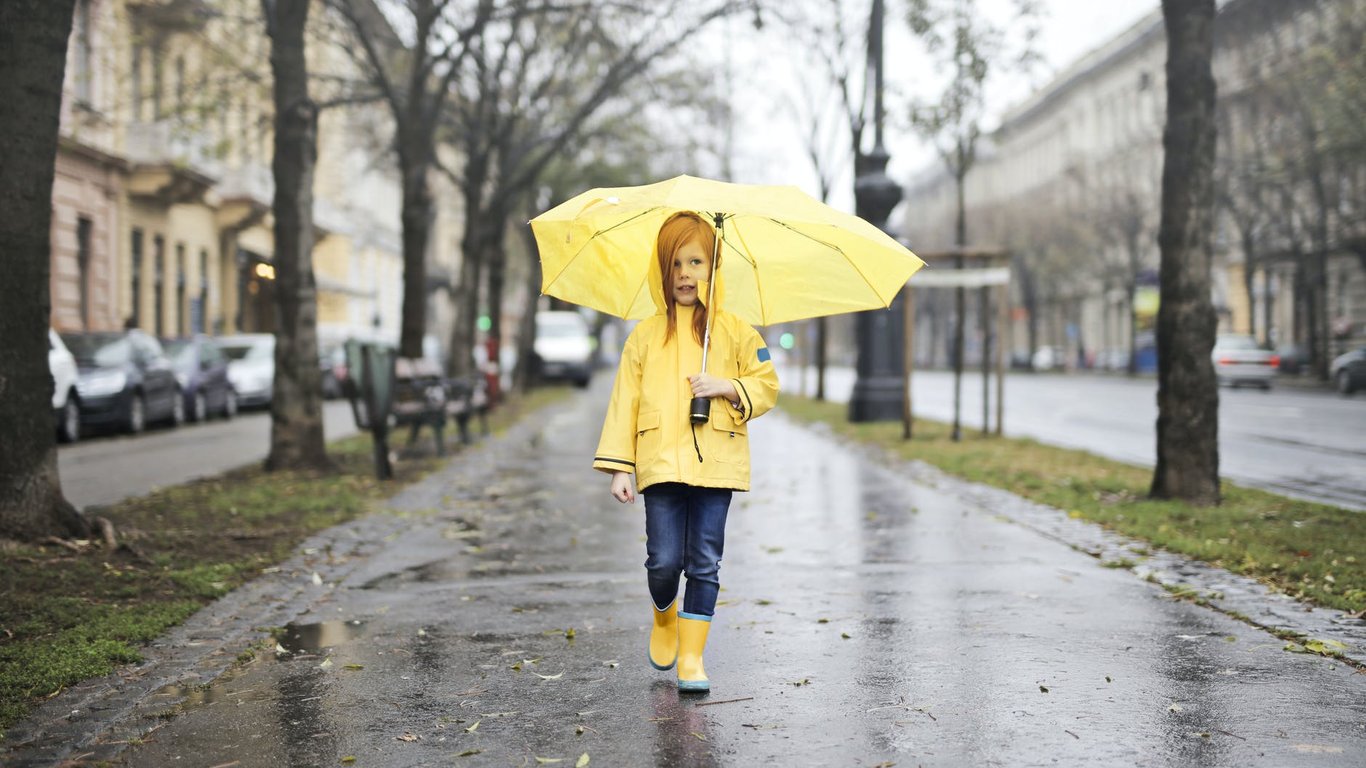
x=647, y=430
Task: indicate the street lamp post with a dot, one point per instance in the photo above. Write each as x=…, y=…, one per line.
x=878, y=390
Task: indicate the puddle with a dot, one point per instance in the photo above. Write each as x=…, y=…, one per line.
x=313, y=638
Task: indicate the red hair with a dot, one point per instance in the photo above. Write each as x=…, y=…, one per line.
x=677, y=231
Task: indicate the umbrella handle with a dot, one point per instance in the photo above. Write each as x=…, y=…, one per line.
x=699, y=412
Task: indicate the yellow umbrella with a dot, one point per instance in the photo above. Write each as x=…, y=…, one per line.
x=785, y=255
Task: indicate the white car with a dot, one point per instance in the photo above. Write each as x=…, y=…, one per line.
x=1238, y=360
x=564, y=348
x=251, y=366
x=66, y=406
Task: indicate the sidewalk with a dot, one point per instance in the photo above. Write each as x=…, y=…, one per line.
x=871, y=615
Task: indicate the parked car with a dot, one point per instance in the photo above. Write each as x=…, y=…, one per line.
x=1047, y=358
x=251, y=366
x=125, y=380
x=202, y=370
x=66, y=404
x=1238, y=360
x=564, y=348
x=1349, y=371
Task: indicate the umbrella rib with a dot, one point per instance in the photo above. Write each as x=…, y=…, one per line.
x=758, y=287
x=836, y=249
x=570, y=261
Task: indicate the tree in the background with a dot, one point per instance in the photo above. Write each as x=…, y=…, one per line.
x=538, y=79
x=832, y=114
x=296, y=432
x=33, y=42
x=1187, y=393
x=415, y=79
x=1123, y=207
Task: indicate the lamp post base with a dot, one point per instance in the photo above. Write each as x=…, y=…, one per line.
x=876, y=399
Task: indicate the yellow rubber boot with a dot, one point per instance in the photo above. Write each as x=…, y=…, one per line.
x=664, y=637
x=692, y=639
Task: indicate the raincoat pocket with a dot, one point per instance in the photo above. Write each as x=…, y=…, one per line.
x=647, y=436
x=730, y=440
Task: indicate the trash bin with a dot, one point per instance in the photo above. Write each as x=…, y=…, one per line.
x=370, y=389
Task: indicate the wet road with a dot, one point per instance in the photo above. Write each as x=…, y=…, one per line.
x=867, y=618
x=1309, y=444
x=107, y=468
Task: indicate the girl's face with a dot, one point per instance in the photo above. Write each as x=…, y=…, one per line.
x=692, y=265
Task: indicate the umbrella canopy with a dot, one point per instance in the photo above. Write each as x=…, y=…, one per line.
x=784, y=255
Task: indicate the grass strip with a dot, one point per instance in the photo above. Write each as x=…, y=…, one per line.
x=70, y=616
x=1310, y=551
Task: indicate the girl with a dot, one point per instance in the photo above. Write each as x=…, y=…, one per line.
x=685, y=471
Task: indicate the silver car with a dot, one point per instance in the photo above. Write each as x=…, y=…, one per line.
x=1238, y=361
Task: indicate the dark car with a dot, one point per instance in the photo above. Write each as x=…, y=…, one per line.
x=125, y=380
x=1349, y=371
x=202, y=370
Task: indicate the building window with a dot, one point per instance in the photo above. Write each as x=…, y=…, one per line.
x=84, y=69
x=159, y=283
x=136, y=82
x=203, y=291
x=157, y=82
x=180, y=291
x=134, y=319
x=180, y=86
x=83, y=230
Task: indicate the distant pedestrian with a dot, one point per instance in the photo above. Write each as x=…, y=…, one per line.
x=685, y=470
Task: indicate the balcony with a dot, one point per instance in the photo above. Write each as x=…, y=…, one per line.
x=168, y=164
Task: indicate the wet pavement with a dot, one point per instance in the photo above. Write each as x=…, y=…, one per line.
x=870, y=615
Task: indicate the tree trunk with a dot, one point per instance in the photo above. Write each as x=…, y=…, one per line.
x=822, y=339
x=417, y=220
x=526, y=330
x=496, y=254
x=33, y=38
x=296, y=419
x=1187, y=394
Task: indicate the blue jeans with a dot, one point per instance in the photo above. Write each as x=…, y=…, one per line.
x=685, y=531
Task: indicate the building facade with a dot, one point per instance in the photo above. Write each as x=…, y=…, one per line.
x=162, y=201
x=1070, y=184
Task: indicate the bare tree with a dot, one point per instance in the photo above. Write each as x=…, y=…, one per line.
x=296, y=432
x=33, y=42
x=538, y=77
x=1123, y=208
x=832, y=142
x=1187, y=394
x=974, y=48
x=416, y=78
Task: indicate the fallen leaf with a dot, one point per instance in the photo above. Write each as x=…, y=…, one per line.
x=1324, y=647
x=801, y=682
x=1108, y=680
x=544, y=760
x=1043, y=689
x=569, y=633
x=516, y=667
x=317, y=580
x=354, y=667
x=348, y=759
x=699, y=736
x=474, y=727
x=548, y=677
x=582, y=761
x=845, y=635
x=822, y=621
x=1176, y=708
x=327, y=664
x=407, y=736
x=469, y=752
x=281, y=649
